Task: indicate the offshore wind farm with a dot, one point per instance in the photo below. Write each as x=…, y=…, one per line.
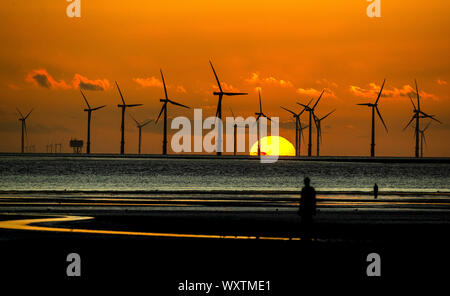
x=248, y=144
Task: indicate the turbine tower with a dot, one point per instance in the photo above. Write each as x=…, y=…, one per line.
x=220, y=94
x=311, y=115
x=140, y=125
x=298, y=128
x=164, y=108
x=259, y=115
x=418, y=113
x=422, y=138
x=374, y=107
x=318, y=122
x=89, y=112
x=24, y=128
x=122, y=127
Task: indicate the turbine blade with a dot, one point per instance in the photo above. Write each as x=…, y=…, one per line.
x=260, y=105
x=28, y=114
x=327, y=115
x=164, y=83
x=364, y=104
x=412, y=102
x=121, y=96
x=162, y=109
x=304, y=107
x=84, y=97
x=147, y=122
x=217, y=78
x=266, y=117
x=133, y=105
x=292, y=112
x=137, y=123
x=219, y=106
x=424, y=138
x=417, y=93
x=178, y=104
x=427, y=126
x=430, y=116
x=317, y=102
x=98, y=108
x=379, y=94
x=412, y=118
x=232, y=112
x=379, y=114
x=234, y=93
x=20, y=113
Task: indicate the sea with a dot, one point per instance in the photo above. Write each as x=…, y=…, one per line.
x=111, y=174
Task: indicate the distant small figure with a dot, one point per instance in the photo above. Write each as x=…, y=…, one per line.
x=375, y=190
x=307, y=207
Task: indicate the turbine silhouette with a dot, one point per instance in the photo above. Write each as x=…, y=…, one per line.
x=298, y=127
x=122, y=127
x=318, y=122
x=374, y=107
x=164, y=109
x=417, y=114
x=259, y=115
x=311, y=115
x=140, y=125
x=89, y=112
x=24, y=128
x=220, y=94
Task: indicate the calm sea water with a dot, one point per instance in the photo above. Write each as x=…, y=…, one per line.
x=47, y=173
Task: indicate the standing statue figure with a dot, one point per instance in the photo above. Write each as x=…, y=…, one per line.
x=307, y=208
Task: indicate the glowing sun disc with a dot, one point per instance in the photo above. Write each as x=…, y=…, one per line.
x=269, y=147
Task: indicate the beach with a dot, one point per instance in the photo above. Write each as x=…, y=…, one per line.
x=168, y=229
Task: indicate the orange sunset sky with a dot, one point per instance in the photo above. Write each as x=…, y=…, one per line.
x=291, y=49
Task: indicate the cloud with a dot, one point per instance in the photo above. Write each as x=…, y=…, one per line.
x=148, y=82
x=256, y=79
x=155, y=82
x=226, y=87
x=312, y=92
x=326, y=82
x=41, y=78
x=441, y=82
x=181, y=89
x=374, y=89
x=82, y=82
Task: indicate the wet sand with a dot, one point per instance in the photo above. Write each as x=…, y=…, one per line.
x=161, y=241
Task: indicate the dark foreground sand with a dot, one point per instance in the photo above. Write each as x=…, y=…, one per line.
x=412, y=242
x=342, y=241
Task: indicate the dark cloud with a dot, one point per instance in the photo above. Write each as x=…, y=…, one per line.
x=42, y=80
x=90, y=86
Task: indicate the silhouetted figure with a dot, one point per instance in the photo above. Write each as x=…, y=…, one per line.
x=307, y=207
x=375, y=191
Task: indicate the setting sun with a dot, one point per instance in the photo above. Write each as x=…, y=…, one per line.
x=269, y=147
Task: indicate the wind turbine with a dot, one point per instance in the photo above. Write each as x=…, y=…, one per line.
x=374, y=107
x=140, y=125
x=417, y=115
x=318, y=121
x=259, y=115
x=164, y=108
x=298, y=128
x=311, y=113
x=123, y=106
x=221, y=93
x=422, y=138
x=24, y=128
x=89, y=112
